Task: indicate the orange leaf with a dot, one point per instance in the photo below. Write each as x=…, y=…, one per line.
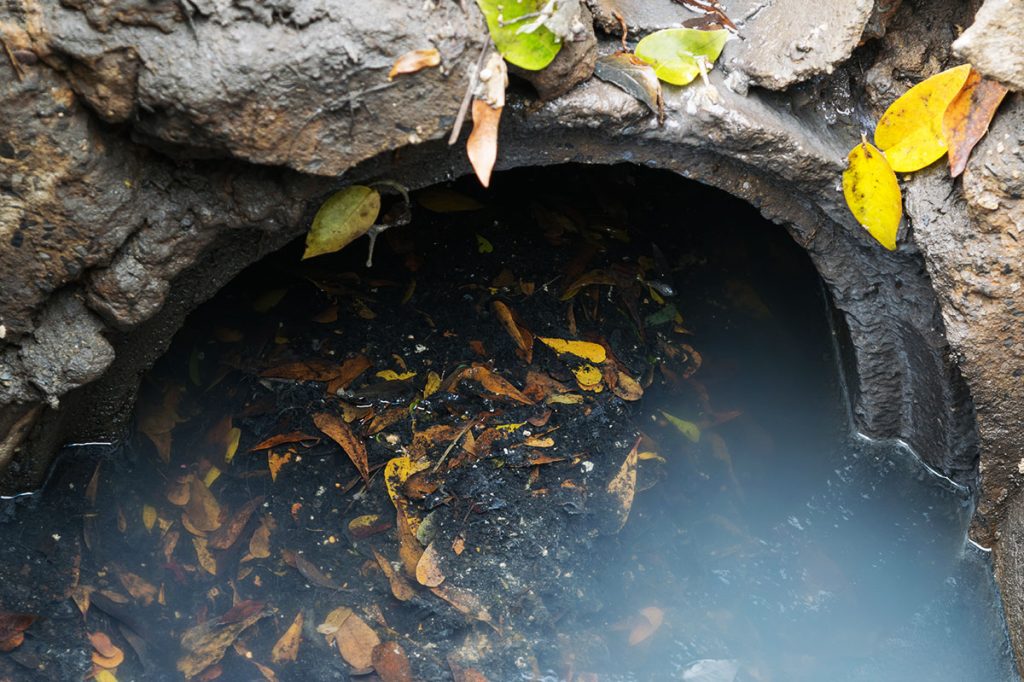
x=522, y=337
x=356, y=641
x=414, y=61
x=342, y=434
x=494, y=383
x=225, y=536
x=968, y=116
x=276, y=461
x=400, y=587
x=482, y=145
x=287, y=647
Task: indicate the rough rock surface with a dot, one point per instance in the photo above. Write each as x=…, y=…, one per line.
x=993, y=42
x=154, y=148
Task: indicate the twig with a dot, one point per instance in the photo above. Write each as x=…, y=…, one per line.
x=14, y=60
x=473, y=78
x=462, y=433
x=625, y=29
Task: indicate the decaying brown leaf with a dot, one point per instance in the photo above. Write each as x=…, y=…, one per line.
x=342, y=434
x=626, y=387
x=225, y=536
x=540, y=386
x=353, y=637
x=414, y=61
x=623, y=487
x=12, y=629
x=205, y=644
x=648, y=622
x=259, y=543
x=347, y=373
x=308, y=570
x=520, y=334
x=137, y=586
x=493, y=383
x=202, y=511
x=276, y=461
x=968, y=116
x=391, y=663
x=203, y=556
x=287, y=646
x=367, y=525
x=158, y=419
x=409, y=548
x=428, y=573
x=284, y=439
x=400, y=587
x=463, y=601
x=635, y=77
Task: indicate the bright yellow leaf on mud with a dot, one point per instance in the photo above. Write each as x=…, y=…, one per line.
x=873, y=194
x=588, y=377
x=594, y=352
x=910, y=131
x=433, y=383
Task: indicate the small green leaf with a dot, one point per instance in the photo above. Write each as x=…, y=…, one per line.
x=688, y=429
x=673, y=52
x=507, y=21
x=345, y=216
x=483, y=245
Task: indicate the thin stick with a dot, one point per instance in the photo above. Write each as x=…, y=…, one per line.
x=14, y=60
x=473, y=77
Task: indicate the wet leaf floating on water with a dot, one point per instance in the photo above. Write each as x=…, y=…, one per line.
x=509, y=25
x=12, y=629
x=910, y=131
x=342, y=434
x=204, y=644
x=687, y=428
x=428, y=573
x=622, y=487
x=391, y=663
x=648, y=622
x=675, y=53
x=414, y=61
x=635, y=77
x=593, y=352
x=968, y=116
x=873, y=194
x=343, y=218
x=287, y=646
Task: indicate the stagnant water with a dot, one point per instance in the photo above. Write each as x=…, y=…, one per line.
x=776, y=545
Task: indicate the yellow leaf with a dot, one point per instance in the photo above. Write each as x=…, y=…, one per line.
x=104, y=676
x=910, y=131
x=148, y=516
x=594, y=352
x=588, y=377
x=396, y=472
x=509, y=428
x=212, y=475
x=688, y=429
x=623, y=487
x=433, y=383
x=344, y=217
x=392, y=375
x=276, y=461
x=873, y=194
x=287, y=647
x=234, y=435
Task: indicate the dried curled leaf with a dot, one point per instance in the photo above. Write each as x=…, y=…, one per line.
x=910, y=131
x=873, y=194
x=414, y=61
x=287, y=647
x=967, y=118
x=676, y=53
x=635, y=77
x=508, y=23
x=391, y=663
x=344, y=217
x=482, y=145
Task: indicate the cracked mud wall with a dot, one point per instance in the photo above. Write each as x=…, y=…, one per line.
x=155, y=148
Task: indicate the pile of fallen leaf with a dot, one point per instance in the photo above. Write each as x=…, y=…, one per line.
x=402, y=471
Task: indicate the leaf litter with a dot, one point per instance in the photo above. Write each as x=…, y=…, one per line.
x=447, y=500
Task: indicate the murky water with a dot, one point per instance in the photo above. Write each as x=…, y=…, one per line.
x=775, y=545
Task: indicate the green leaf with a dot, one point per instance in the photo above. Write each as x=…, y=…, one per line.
x=528, y=49
x=673, y=52
x=345, y=216
x=688, y=429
